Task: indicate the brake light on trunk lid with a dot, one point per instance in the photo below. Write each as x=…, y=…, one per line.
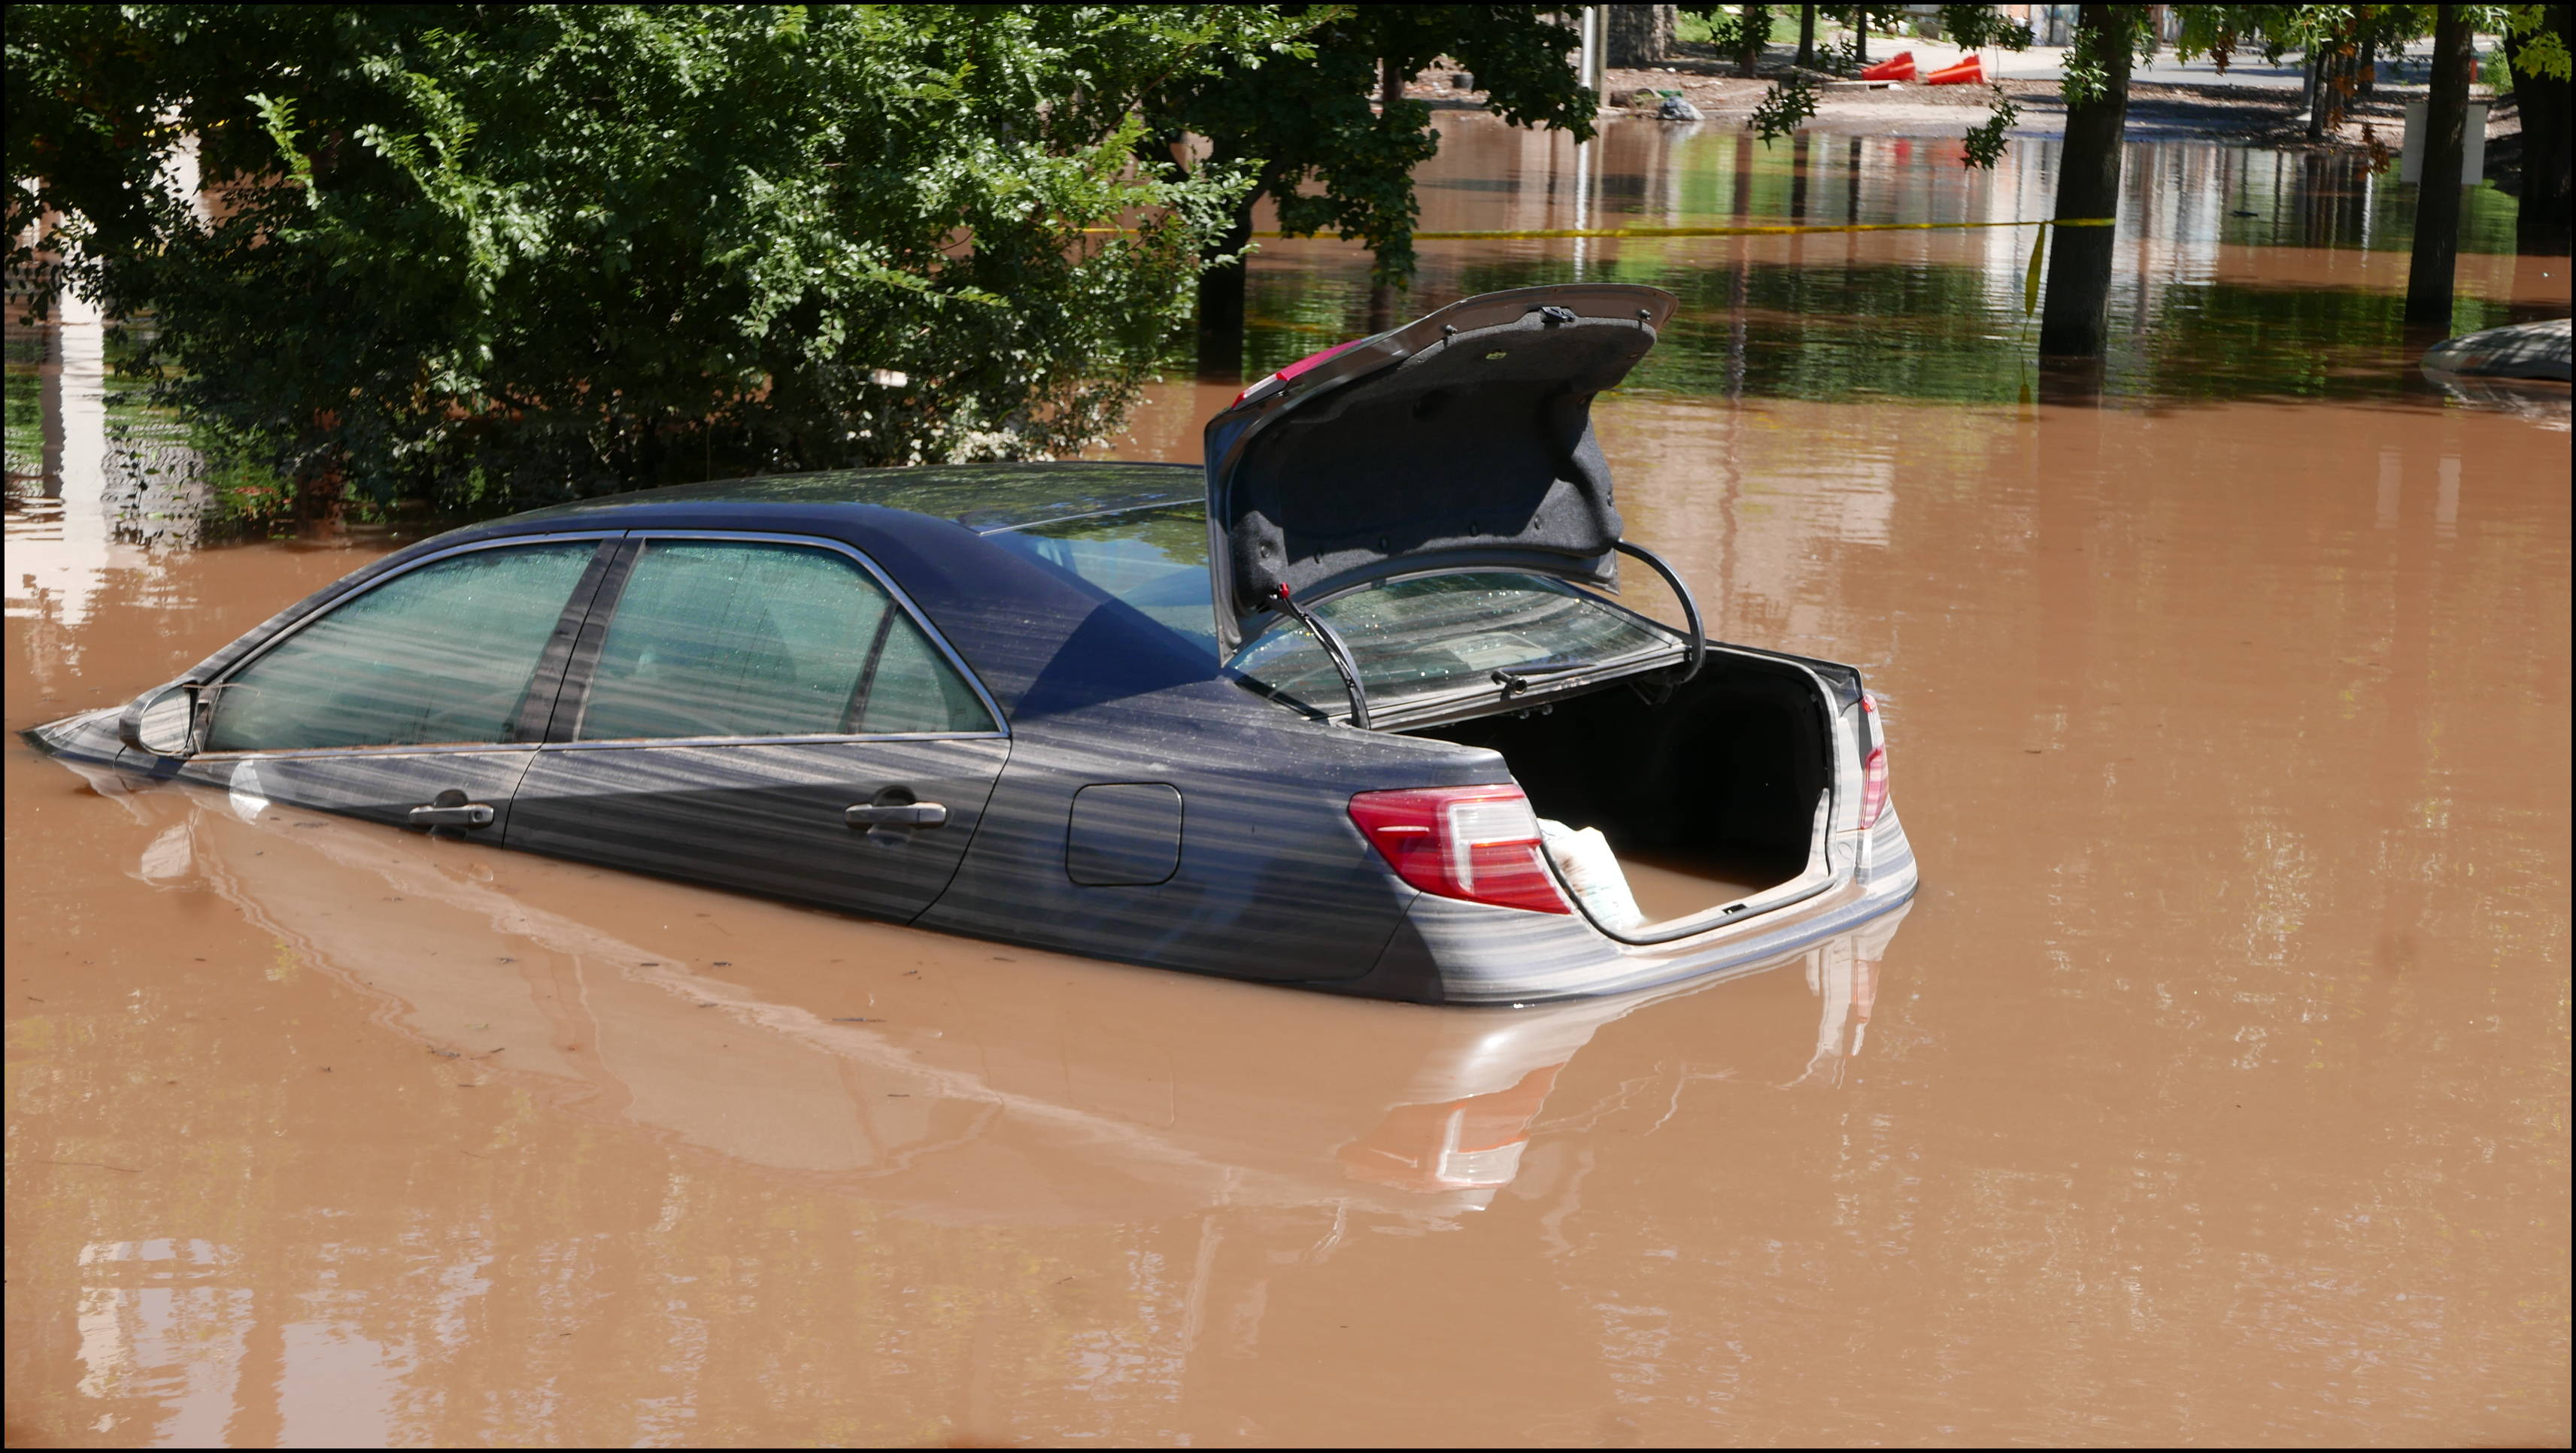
x=1476, y=843
x=1288, y=375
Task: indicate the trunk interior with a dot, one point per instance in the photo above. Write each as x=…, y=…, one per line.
x=1704, y=799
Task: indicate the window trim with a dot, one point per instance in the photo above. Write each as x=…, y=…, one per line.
x=576, y=609
x=573, y=694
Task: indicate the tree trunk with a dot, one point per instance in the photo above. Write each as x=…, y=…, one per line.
x=1382, y=293
x=1806, y=35
x=2543, y=225
x=1221, y=291
x=2316, y=95
x=321, y=492
x=1639, y=35
x=2076, y=315
x=1750, y=36
x=2437, y=200
x=2366, y=85
x=1860, y=34
x=2339, y=68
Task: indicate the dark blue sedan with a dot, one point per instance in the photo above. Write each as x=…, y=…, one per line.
x=1346, y=709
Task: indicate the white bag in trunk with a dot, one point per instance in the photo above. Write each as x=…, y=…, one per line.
x=1583, y=858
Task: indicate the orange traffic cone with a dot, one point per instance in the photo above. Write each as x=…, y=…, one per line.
x=1969, y=72
x=1898, y=67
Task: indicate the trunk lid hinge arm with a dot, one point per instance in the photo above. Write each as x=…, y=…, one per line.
x=1698, y=642
x=1334, y=650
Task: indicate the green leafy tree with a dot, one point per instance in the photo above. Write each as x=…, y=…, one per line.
x=1329, y=138
x=515, y=252
x=1791, y=100
x=2340, y=44
x=1741, y=35
x=1720, y=29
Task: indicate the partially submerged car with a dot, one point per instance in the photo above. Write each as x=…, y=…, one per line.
x=1349, y=709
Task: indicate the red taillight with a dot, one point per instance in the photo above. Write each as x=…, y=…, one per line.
x=1476, y=843
x=1873, y=770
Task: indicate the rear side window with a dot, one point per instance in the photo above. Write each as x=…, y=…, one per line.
x=911, y=689
x=762, y=640
x=1153, y=559
x=440, y=654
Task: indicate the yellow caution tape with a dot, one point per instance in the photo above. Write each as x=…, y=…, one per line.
x=2043, y=223
x=2030, y=280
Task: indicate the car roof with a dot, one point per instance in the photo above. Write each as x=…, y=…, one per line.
x=983, y=497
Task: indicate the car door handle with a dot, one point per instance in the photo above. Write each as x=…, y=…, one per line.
x=461, y=814
x=909, y=814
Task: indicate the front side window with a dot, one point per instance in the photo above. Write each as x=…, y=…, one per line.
x=712, y=639
x=443, y=654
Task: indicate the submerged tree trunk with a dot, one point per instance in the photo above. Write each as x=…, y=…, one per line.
x=1806, y=35
x=1382, y=292
x=1221, y=293
x=2544, y=223
x=321, y=483
x=2075, y=316
x=2437, y=199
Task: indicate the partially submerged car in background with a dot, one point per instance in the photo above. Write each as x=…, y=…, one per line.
x=1351, y=711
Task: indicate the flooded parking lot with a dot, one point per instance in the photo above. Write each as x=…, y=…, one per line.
x=2213, y=1090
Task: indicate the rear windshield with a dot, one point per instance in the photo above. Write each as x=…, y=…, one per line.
x=1438, y=633
x=1411, y=638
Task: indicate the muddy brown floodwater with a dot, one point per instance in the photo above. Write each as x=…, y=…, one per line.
x=2214, y=1090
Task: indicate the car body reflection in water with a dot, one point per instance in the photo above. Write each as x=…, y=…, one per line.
x=931, y=1096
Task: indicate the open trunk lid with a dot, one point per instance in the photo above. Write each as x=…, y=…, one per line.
x=1460, y=440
